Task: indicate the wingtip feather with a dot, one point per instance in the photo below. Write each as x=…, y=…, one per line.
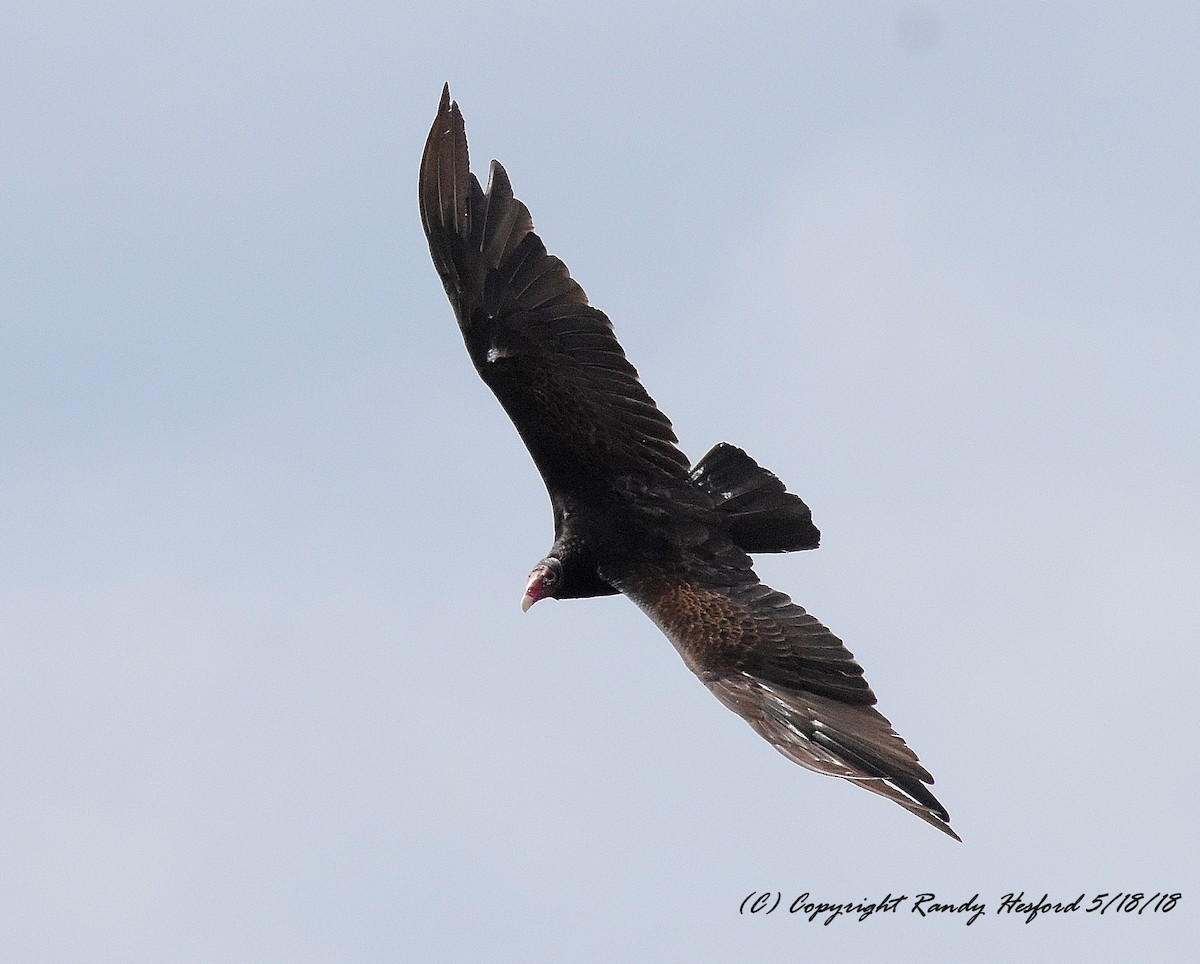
x=499, y=186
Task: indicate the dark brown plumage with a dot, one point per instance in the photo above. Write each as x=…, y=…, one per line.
x=629, y=514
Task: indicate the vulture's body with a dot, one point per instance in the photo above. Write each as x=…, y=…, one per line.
x=630, y=515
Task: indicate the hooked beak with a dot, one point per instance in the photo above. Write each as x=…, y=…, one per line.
x=534, y=590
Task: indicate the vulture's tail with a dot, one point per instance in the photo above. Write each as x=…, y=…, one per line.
x=765, y=517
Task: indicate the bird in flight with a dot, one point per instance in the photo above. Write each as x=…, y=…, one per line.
x=631, y=515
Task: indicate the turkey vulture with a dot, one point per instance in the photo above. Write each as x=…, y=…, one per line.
x=630, y=515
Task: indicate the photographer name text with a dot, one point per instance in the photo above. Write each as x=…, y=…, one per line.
x=1015, y=906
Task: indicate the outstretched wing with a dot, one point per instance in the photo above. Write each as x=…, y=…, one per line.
x=788, y=676
x=551, y=359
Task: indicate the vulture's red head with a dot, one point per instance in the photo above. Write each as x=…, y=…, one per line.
x=543, y=582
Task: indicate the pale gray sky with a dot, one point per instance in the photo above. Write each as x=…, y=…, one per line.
x=265, y=689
